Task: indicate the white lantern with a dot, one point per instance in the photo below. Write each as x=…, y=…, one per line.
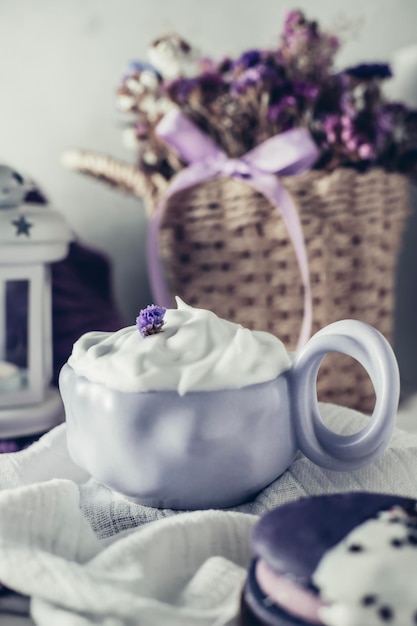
x=31, y=237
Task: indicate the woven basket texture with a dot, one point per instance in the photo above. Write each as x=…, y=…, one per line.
x=224, y=247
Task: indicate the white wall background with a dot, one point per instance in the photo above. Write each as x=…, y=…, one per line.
x=60, y=63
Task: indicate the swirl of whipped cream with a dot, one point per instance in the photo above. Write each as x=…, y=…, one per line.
x=196, y=351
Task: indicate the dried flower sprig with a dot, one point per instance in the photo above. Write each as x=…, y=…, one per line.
x=150, y=320
x=241, y=102
x=306, y=51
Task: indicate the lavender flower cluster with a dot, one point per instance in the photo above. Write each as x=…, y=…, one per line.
x=241, y=102
x=150, y=320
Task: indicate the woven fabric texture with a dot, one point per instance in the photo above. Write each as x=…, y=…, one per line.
x=226, y=248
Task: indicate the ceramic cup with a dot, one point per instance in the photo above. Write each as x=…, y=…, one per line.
x=215, y=449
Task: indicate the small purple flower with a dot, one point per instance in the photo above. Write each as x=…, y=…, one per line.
x=293, y=19
x=277, y=109
x=366, y=151
x=250, y=58
x=135, y=67
x=306, y=89
x=208, y=86
x=225, y=65
x=249, y=78
x=211, y=82
x=180, y=89
x=150, y=320
x=368, y=71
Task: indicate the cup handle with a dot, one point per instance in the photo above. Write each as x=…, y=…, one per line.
x=320, y=444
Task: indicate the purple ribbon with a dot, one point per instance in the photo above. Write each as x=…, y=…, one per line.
x=289, y=153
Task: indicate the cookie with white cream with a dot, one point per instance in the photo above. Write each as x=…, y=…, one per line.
x=335, y=560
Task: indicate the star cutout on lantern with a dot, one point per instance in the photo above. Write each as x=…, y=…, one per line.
x=22, y=226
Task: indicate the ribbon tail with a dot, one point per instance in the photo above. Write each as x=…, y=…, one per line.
x=159, y=288
x=188, y=177
x=279, y=197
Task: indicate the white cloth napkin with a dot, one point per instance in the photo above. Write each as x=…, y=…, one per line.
x=86, y=555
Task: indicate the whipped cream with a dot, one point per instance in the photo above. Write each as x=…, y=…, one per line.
x=195, y=351
x=369, y=577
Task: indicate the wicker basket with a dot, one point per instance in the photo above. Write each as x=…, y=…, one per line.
x=225, y=248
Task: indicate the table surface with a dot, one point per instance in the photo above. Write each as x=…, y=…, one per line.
x=406, y=420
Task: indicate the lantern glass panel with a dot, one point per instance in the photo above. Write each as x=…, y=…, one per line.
x=14, y=307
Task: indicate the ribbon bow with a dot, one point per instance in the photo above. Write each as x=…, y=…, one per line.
x=289, y=153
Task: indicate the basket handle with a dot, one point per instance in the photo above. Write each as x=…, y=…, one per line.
x=119, y=174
